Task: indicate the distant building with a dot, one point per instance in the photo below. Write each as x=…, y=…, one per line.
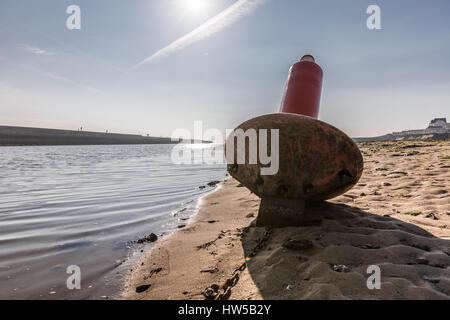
x=437, y=129
x=438, y=125
x=438, y=122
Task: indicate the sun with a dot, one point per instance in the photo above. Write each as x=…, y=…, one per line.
x=196, y=6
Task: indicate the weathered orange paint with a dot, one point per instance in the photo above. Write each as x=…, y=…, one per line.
x=317, y=160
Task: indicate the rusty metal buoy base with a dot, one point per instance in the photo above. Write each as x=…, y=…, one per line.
x=280, y=212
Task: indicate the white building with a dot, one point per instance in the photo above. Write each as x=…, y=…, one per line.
x=437, y=125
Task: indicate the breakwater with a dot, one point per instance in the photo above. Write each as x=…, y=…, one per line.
x=24, y=136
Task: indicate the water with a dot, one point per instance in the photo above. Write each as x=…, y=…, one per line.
x=87, y=206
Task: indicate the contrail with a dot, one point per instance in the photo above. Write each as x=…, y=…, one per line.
x=225, y=18
x=60, y=78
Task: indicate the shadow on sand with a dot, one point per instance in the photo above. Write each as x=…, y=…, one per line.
x=335, y=247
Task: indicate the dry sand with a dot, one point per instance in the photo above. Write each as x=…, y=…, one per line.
x=396, y=217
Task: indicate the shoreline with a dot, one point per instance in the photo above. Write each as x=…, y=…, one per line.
x=397, y=217
x=204, y=229
x=133, y=260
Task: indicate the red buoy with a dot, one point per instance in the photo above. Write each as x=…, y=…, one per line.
x=316, y=161
x=303, y=88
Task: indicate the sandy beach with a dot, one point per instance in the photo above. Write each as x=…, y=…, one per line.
x=397, y=217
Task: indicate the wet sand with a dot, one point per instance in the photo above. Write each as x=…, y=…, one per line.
x=397, y=217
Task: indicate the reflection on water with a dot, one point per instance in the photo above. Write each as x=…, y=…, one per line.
x=85, y=206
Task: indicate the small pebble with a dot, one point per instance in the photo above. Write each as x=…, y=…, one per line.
x=143, y=288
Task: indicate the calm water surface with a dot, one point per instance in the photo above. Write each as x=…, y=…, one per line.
x=87, y=206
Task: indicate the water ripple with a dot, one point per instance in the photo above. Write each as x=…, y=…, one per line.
x=85, y=205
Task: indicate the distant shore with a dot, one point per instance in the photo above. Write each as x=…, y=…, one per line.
x=24, y=136
x=397, y=217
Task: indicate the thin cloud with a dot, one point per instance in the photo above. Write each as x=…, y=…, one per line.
x=225, y=18
x=64, y=79
x=75, y=83
x=38, y=51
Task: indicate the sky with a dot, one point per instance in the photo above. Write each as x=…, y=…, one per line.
x=154, y=66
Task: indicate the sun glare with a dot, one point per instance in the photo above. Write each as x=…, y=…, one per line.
x=196, y=6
